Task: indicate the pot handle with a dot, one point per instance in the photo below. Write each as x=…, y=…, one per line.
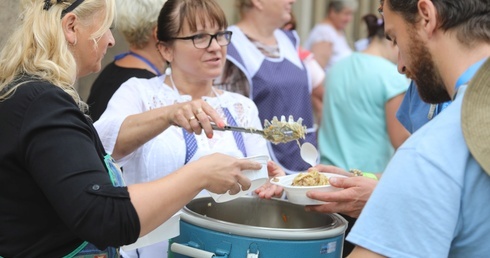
x=192, y=251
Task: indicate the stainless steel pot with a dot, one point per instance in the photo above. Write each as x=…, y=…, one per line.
x=273, y=226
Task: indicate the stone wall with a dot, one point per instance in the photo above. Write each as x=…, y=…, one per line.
x=9, y=13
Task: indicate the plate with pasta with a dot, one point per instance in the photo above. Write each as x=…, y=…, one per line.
x=297, y=185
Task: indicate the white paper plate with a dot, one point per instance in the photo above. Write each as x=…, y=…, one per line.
x=297, y=194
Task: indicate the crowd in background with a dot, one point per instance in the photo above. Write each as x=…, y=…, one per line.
x=187, y=72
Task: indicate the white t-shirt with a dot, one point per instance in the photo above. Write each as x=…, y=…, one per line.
x=326, y=32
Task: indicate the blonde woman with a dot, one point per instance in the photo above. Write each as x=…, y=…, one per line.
x=65, y=196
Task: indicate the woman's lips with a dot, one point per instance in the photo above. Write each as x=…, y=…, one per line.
x=214, y=61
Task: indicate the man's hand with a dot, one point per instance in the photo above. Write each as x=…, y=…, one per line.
x=349, y=201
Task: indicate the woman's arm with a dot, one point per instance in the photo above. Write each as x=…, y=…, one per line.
x=138, y=129
x=322, y=52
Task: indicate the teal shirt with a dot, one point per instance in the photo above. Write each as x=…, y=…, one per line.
x=353, y=132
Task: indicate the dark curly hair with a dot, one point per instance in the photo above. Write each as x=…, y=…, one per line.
x=469, y=18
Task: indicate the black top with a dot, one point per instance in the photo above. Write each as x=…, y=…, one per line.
x=55, y=191
x=107, y=83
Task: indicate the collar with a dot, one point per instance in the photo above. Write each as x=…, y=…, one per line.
x=469, y=73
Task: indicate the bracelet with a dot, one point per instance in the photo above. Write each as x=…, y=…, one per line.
x=358, y=172
x=370, y=175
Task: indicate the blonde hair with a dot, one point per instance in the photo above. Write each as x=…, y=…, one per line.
x=137, y=19
x=38, y=47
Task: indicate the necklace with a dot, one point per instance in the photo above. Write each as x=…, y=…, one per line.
x=211, y=93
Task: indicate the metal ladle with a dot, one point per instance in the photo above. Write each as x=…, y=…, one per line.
x=275, y=131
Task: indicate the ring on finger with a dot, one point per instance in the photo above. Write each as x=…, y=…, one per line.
x=191, y=118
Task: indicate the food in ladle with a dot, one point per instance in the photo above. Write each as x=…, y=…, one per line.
x=282, y=131
x=310, y=178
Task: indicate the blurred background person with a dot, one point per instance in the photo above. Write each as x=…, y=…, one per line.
x=264, y=65
x=370, y=22
x=359, y=128
x=137, y=124
x=327, y=40
x=137, y=22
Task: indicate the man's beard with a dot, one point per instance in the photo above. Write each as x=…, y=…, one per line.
x=423, y=71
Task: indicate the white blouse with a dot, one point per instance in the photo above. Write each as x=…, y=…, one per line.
x=326, y=32
x=166, y=152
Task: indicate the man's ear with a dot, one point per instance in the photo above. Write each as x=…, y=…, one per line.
x=69, y=24
x=428, y=16
x=258, y=4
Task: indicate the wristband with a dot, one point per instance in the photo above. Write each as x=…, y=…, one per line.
x=370, y=175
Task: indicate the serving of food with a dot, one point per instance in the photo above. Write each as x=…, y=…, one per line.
x=310, y=178
x=282, y=131
x=297, y=185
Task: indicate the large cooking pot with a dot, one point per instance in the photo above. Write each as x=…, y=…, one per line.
x=252, y=227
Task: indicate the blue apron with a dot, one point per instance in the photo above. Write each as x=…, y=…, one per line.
x=279, y=86
x=191, y=143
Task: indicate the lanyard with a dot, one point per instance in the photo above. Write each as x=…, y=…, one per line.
x=463, y=79
x=146, y=61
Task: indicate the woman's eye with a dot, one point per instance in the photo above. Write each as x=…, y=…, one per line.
x=199, y=36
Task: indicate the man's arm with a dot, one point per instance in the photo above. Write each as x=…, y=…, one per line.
x=360, y=252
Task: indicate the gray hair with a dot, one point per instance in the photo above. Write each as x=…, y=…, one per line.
x=339, y=5
x=137, y=19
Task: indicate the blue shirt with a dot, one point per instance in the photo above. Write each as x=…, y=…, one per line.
x=414, y=113
x=432, y=200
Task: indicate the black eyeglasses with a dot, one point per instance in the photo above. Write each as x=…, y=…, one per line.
x=204, y=40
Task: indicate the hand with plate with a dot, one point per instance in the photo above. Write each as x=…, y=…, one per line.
x=350, y=200
x=298, y=194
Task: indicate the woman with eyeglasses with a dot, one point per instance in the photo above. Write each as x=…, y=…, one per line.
x=137, y=126
x=61, y=195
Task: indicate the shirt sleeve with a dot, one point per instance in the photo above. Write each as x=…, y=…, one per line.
x=126, y=101
x=324, y=33
x=403, y=113
x=61, y=156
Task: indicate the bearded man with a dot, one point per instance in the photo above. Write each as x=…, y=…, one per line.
x=432, y=200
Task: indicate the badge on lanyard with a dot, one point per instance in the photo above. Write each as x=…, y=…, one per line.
x=114, y=170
